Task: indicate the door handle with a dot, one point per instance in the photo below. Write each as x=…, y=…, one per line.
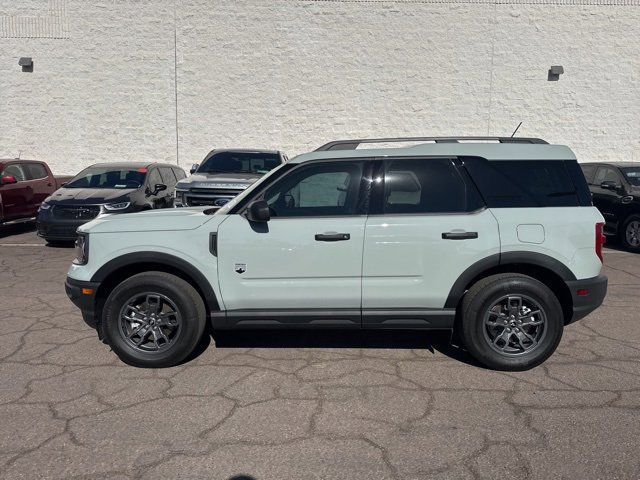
x=332, y=237
x=459, y=235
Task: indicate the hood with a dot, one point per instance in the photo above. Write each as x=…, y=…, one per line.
x=165, y=219
x=219, y=180
x=89, y=196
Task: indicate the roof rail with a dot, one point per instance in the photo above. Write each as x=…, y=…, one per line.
x=355, y=143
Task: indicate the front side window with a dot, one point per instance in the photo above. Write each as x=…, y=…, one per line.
x=327, y=189
x=632, y=174
x=154, y=178
x=15, y=170
x=426, y=186
x=108, y=177
x=168, y=177
x=607, y=174
x=240, y=162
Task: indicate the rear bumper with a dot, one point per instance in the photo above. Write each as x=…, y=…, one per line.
x=83, y=296
x=583, y=304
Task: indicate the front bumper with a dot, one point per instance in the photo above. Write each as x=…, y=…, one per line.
x=587, y=295
x=51, y=228
x=83, y=296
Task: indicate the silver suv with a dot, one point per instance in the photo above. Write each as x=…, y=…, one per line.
x=493, y=238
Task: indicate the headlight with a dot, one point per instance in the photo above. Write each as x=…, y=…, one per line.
x=82, y=249
x=110, y=207
x=44, y=206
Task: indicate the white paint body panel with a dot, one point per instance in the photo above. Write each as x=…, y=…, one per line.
x=569, y=235
x=286, y=267
x=407, y=263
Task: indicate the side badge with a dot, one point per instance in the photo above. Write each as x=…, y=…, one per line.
x=241, y=268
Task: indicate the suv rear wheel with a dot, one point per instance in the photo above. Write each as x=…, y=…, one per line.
x=511, y=322
x=153, y=319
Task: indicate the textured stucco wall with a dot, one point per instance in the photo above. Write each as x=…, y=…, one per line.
x=294, y=74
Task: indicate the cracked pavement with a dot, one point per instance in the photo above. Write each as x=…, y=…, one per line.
x=291, y=405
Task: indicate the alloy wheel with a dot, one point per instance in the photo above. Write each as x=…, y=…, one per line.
x=514, y=325
x=150, y=322
x=632, y=233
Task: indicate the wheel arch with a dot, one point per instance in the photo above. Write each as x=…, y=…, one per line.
x=542, y=267
x=120, y=268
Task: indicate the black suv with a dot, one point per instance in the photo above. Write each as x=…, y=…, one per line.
x=223, y=174
x=615, y=188
x=106, y=188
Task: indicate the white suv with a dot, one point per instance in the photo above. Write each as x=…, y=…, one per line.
x=494, y=238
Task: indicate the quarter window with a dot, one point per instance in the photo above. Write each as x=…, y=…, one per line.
x=328, y=189
x=425, y=186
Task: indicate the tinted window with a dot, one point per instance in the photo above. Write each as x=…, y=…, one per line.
x=240, y=162
x=320, y=189
x=632, y=174
x=35, y=171
x=607, y=174
x=154, y=178
x=108, y=177
x=523, y=183
x=179, y=173
x=425, y=186
x=168, y=177
x=15, y=170
x=589, y=171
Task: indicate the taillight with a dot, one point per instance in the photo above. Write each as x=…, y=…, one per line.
x=600, y=239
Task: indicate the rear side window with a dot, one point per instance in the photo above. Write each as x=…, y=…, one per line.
x=522, y=183
x=35, y=171
x=168, y=176
x=426, y=186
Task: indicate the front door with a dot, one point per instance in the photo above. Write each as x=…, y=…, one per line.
x=427, y=226
x=16, y=197
x=304, y=266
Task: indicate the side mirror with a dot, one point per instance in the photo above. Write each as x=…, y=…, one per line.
x=194, y=168
x=8, y=179
x=159, y=187
x=258, y=211
x=609, y=185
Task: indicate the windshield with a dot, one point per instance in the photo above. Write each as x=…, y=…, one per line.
x=240, y=162
x=632, y=174
x=108, y=177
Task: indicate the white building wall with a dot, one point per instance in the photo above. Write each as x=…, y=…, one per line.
x=293, y=74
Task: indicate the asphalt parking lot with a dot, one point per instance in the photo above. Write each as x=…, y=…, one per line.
x=307, y=404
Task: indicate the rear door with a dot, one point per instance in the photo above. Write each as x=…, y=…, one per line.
x=426, y=227
x=304, y=266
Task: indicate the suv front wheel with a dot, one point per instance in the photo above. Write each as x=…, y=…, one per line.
x=511, y=322
x=153, y=319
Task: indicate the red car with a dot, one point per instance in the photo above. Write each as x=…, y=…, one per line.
x=24, y=184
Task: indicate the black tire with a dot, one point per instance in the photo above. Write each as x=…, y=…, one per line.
x=178, y=296
x=492, y=294
x=628, y=243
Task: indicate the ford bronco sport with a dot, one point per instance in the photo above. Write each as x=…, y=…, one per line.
x=493, y=238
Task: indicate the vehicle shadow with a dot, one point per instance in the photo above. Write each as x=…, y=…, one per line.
x=432, y=341
x=17, y=228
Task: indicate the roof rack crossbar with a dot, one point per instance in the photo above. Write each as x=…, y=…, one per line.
x=355, y=143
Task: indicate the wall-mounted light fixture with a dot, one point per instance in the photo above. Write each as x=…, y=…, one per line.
x=26, y=63
x=554, y=73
